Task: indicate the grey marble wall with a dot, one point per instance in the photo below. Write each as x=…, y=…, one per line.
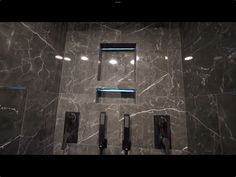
x=27, y=59
x=159, y=85
x=199, y=97
x=12, y=104
x=210, y=85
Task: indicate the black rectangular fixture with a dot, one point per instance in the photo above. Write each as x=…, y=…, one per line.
x=162, y=132
x=102, y=141
x=71, y=128
x=126, y=143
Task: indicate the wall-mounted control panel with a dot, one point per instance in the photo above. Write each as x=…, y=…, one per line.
x=162, y=132
x=71, y=127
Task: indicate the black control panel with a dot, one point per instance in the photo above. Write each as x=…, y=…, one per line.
x=71, y=127
x=162, y=132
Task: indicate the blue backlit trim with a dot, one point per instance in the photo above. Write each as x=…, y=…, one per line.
x=117, y=49
x=16, y=87
x=115, y=90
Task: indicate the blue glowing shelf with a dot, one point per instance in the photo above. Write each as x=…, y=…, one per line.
x=14, y=87
x=115, y=95
x=118, y=49
x=115, y=90
x=117, y=46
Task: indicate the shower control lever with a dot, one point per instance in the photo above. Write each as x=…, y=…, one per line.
x=102, y=141
x=126, y=143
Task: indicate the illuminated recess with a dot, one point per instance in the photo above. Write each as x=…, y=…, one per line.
x=115, y=95
x=117, y=61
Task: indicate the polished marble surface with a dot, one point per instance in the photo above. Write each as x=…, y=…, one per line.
x=198, y=94
x=209, y=85
x=118, y=66
x=27, y=59
x=12, y=104
x=159, y=83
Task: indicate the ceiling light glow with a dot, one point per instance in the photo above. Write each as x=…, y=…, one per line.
x=132, y=62
x=188, y=58
x=67, y=59
x=84, y=58
x=59, y=57
x=113, y=61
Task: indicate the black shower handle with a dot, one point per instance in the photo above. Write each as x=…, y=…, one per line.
x=102, y=141
x=126, y=143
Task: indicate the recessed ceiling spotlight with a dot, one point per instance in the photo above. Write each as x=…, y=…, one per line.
x=188, y=58
x=67, y=59
x=113, y=61
x=166, y=58
x=59, y=57
x=84, y=58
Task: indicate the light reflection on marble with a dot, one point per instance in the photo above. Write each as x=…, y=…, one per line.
x=121, y=70
x=159, y=86
x=203, y=91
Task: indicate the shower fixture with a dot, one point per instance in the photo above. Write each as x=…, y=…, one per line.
x=126, y=143
x=102, y=141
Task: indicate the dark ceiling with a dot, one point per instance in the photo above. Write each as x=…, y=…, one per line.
x=121, y=10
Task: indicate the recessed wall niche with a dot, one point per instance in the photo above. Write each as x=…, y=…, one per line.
x=117, y=62
x=115, y=95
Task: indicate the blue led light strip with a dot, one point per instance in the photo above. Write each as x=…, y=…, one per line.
x=14, y=87
x=17, y=88
x=117, y=49
x=115, y=90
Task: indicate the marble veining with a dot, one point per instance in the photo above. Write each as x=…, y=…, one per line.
x=27, y=59
x=209, y=82
x=12, y=105
x=158, y=84
x=36, y=33
x=198, y=94
x=9, y=109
